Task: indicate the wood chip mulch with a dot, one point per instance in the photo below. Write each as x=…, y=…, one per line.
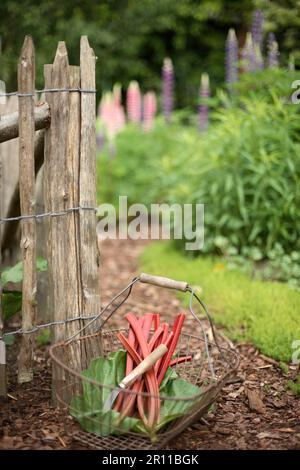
x=256, y=411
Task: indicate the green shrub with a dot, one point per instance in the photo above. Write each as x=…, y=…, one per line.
x=248, y=177
x=147, y=166
x=245, y=169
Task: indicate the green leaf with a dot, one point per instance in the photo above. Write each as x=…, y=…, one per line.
x=41, y=264
x=44, y=338
x=88, y=407
x=173, y=409
x=12, y=303
x=14, y=274
x=9, y=340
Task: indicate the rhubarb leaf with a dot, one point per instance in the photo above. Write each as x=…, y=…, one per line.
x=88, y=407
x=173, y=409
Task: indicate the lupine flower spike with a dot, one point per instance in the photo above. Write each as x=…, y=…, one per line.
x=203, y=106
x=134, y=104
x=112, y=117
x=259, y=61
x=248, y=55
x=291, y=64
x=257, y=28
x=167, y=89
x=149, y=110
x=231, y=57
x=273, y=52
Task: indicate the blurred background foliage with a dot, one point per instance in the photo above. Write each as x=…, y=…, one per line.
x=245, y=168
x=131, y=38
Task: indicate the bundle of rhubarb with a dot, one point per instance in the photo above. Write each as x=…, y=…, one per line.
x=146, y=334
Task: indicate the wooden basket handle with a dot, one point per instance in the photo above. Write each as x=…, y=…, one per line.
x=163, y=282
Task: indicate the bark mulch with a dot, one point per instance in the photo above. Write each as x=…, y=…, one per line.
x=256, y=411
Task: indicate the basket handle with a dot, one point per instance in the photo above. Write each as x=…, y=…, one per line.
x=160, y=281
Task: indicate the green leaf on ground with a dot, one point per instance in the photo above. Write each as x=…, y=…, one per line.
x=88, y=407
x=12, y=303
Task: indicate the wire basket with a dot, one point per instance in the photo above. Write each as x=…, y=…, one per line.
x=211, y=367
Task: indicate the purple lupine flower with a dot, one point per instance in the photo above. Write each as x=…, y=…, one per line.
x=167, y=89
x=231, y=57
x=100, y=139
x=257, y=27
x=149, y=110
x=204, y=94
x=248, y=55
x=273, y=52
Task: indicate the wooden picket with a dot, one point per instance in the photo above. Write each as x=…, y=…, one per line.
x=65, y=145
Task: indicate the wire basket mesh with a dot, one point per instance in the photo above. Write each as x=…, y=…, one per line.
x=210, y=367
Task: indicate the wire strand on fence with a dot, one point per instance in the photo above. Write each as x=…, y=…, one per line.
x=36, y=328
x=47, y=214
x=48, y=90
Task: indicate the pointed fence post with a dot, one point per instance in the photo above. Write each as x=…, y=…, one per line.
x=70, y=182
x=2, y=344
x=89, y=255
x=26, y=82
x=55, y=187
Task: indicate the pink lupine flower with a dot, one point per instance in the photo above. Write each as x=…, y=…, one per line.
x=117, y=88
x=112, y=116
x=149, y=110
x=134, y=105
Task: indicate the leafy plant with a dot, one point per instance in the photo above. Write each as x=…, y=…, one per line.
x=12, y=299
x=245, y=169
x=44, y=337
x=88, y=407
x=295, y=386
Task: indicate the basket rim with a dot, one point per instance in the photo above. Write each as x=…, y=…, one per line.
x=231, y=368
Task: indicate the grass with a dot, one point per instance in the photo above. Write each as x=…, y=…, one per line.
x=295, y=386
x=262, y=312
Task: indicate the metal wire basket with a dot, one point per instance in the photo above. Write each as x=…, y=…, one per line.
x=212, y=365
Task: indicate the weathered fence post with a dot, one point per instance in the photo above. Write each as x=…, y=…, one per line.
x=55, y=191
x=89, y=255
x=26, y=82
x=2, y=344
x=70, y=182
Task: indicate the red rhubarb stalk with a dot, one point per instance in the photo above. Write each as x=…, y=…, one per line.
x=130, y=397
x=155, y=338
x=148, y=318
x=156, y=320
x=152, y=384
x=179, y=360
x=167, y=358
x=167, y=343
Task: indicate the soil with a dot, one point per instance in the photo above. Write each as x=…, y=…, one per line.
x=255, y=411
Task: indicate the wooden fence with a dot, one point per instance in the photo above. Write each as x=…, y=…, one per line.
x=59, y=134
